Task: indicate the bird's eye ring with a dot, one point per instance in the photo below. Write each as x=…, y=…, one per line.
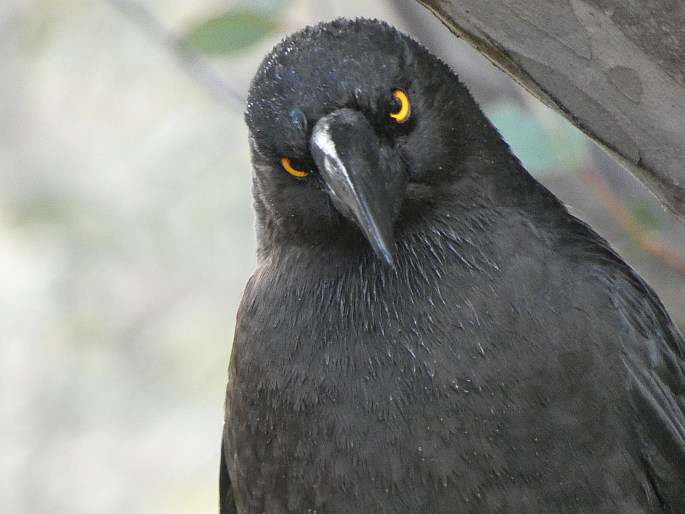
x=292, y=169
x=401, y=106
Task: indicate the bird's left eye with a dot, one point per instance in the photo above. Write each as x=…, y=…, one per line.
x=401, y=108
x=294, y=169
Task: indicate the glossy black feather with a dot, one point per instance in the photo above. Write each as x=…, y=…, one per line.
x=510, y=361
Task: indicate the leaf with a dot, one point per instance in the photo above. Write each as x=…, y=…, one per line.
x=230, y=32
x=542, y=140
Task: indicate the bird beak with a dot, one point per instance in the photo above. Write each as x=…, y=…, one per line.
x=347, y=153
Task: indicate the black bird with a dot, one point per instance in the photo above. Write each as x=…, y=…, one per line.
x=428, y=329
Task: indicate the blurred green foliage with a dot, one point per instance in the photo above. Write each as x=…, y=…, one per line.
x=231, y=31
x=645, y=216
x=543, y=140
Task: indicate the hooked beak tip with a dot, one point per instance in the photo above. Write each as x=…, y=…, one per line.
x=388, y=259
x=385, y=253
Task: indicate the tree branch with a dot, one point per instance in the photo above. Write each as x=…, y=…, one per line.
x=615, y=68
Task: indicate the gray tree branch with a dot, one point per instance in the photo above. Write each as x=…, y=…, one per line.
x=615, y=68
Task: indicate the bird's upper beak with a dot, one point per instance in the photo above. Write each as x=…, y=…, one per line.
x=348, y=154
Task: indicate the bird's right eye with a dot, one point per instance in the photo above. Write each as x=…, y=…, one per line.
x=294, y=169
x=401, y=108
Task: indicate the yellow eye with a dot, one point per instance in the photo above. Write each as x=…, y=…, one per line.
x=285, y=162
x=402, y=113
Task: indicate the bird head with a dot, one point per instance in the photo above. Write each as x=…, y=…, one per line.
x=351, y=123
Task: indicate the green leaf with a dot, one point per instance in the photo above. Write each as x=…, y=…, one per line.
x=230, y=32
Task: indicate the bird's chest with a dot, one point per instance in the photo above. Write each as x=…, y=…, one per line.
x=332, y=385
x=360, y=344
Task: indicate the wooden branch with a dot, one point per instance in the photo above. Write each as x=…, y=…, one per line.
x=615, y=68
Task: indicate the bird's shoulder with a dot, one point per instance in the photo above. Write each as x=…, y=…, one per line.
x=651, y=348
x=653, y=353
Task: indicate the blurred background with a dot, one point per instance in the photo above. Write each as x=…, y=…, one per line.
x=126, y=232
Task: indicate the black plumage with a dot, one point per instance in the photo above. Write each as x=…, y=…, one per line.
x=428, y=329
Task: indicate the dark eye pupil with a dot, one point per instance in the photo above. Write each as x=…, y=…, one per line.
x=395, y=104
x=298, y=165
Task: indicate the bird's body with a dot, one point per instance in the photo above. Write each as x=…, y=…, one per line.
x=487, y=353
